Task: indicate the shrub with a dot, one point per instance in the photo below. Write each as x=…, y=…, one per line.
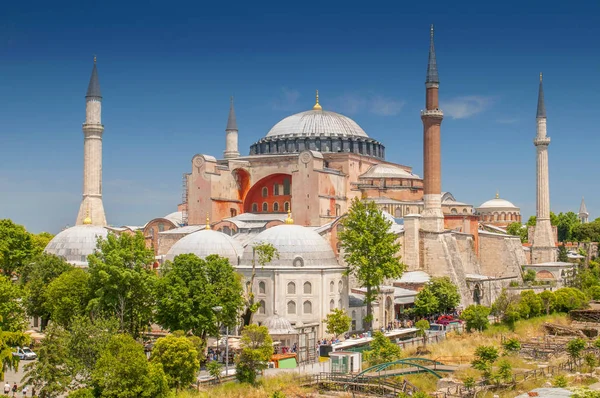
x=511, y=346
x=560, y=381
x=476, y=317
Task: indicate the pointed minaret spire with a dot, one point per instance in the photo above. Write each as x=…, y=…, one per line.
x=93, y=90
x=541, y=108
x=231, y=134
x=432, y=72
x=231, y=122
x=583, y=213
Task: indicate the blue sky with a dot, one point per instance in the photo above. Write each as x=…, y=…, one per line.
x=167, y=71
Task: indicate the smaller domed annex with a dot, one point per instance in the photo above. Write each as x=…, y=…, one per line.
x=498, y=212
x=75, y=244
x=205, y=242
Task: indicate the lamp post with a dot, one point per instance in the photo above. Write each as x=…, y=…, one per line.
x=218, y=310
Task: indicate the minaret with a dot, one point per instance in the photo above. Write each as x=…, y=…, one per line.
x=543, y=248
x=91, y=204
x=432, y=216
x=583, y=213
x=231, y=135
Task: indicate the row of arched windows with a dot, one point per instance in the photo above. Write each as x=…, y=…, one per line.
x=306, y=288
x=265, y=207
x=291, y=307
x=496, y=216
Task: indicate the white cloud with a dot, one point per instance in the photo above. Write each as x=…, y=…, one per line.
x=287, y=100
x=386, y=106
x=465, y=107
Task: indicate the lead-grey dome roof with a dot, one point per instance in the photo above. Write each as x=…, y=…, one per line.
x=76, y=243
x=317, y=123
x=298, y=247
x=205, y=242
x=278, y=325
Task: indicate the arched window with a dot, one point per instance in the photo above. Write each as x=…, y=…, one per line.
x=262, y=288
x=340, y=304
x=307, y=288
x=265, y=192
x=291, y=288
x=307, y=307
x=286, y=206
x=353, y=314
x=275, y=207
x=453, y=211
x=331, y=305
x=331, y=287
x=340, y=286
x=291, y=307
x=465, y=211
x=254, y=207
x=261, y=309
x=233, y=212
x=265, y=207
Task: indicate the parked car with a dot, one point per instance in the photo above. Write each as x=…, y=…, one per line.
x=25, y=353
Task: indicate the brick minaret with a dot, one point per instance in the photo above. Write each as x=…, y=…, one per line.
x=231, y=135
x=91, y=204
x=432, y=216
x=543, y=248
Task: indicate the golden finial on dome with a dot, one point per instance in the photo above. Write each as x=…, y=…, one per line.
x=289, y=219
x=87, y=220
x=207, y=221
x=317, y=107
x=497, y=194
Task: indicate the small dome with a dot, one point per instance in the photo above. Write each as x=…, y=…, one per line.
x=76, y=243
x=388, y=171
x=205, y=242
x=298, y=246
x=278, y=325
x=497, y=203
x=317, y=123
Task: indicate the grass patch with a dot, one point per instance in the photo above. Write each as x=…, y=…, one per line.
x=423, y=381
x=285, y=383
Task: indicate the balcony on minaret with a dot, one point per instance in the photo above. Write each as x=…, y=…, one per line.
x=432, y=113
x=541, y=141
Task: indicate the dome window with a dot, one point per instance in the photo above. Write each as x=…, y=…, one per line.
x=340, y=304
x=307, y=288
x=340, y=286
x=332, y=287
x=331, y=305
x=298, y=262
x=262, y=288
x=291, y=307
x=291, y=288
x=307, y=307
x=261, y=309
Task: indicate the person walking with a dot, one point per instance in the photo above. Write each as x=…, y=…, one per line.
x=25, y=391
x=6, y=388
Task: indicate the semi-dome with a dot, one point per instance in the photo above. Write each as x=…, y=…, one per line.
x=278, y=325
x=205, y=242
x=317, y=123
x=497, y=203
x=298, y=247
x=75, y=244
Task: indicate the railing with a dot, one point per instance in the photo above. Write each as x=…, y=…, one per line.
x=383, y=388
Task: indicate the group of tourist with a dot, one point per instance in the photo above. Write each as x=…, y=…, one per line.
x=15, y=388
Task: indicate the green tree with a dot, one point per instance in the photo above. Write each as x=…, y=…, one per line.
x=548, y=300
x=476, y=317
x=426, y=303
x=532, y=302
x=485, y=356
x=562, y=254
x=575, y=347
x=36, y=276
x=256, y=348
x=446, y=293
x=568, y=298
x=52, y=373
x=214, y=369
x=16, y=247
x=262, y=253
x=588, y=232
x=40, y=241
x=189, y=290
x=8, y=340
x=338, y=322
x=594, y=292
x=382, y=350
x=122, y=281
x=122, y=371
x=12, y=313
x=560, y=381
x=179, y=360
x=67, y=296
x=370, y=250
x=529, y=276
x=511, y=346
x=517, y=229
x=565, y=224
x=81, y=393
x=422, y=327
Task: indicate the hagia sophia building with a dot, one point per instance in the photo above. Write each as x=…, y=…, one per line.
x=293, y=189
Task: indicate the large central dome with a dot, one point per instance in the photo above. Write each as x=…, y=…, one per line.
x=317, y=123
